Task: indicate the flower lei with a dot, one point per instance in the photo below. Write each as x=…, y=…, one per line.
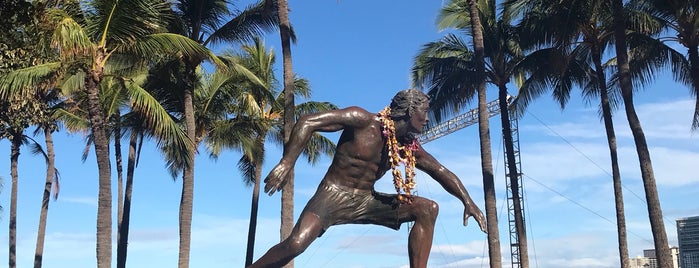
x=398, y=154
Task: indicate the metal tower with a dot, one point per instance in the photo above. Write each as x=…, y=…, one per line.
x=467, y=119
x=515, y=255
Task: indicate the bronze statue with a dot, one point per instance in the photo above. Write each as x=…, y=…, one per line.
x=369, y=145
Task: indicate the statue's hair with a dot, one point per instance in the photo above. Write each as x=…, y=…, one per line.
x=406, y=101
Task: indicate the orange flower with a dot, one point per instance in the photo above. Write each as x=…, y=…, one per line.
x=398, y=154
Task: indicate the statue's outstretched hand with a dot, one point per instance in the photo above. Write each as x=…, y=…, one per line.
x=473, y=210
x=276, y=178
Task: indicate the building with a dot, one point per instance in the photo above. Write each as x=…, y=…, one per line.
x=688, y=240
x=648, y=259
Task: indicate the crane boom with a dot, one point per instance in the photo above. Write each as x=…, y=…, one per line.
x=461, y=121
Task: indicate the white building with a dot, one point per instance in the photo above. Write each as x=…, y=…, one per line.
x=648, y=259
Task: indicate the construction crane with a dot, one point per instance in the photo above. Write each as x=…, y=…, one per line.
x=470, y=118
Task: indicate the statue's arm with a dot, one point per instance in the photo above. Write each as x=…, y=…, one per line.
x=451, y=183
x=328, y=121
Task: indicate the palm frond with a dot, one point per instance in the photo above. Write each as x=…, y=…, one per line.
x=317, y=146
x=69, y=37
x=23, y=80
x=446, y=70
x=157, y=119
x=71, y=121
x=35, y=148
x=454, y=14
x=120, y=22
x=255, y=20
x=169, y=43
x=72, y=83
x=247, y=169
x=313, y=107
x=235, y=67
x=236, y=134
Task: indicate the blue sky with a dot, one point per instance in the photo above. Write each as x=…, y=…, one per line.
x=359, y=52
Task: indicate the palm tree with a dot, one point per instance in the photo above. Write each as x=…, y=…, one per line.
x=22, y=46
x=18, y=113
x=88, y=41
x=660, y=17
x=576, y=59
x=28, y=43
x=263, y=107
x=202, y=22
x=655, y=213
x=455, y=75
x=47, y=127
x=123, y=89
x=494, y=254
x=289, y=120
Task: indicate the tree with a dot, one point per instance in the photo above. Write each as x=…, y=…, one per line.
x=18, y=113
x=454, y=75
x=201, y=21
x=88, y=41
x=576, y=59
x=22, y=46
x=263, y=108
x=51, y=185
x=662, y=18
x=655, y=213
x=289, y=120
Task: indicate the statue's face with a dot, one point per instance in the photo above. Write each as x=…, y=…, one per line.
x=418, y=120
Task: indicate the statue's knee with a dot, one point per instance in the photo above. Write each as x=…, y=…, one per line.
x=428, y=209
x=433, y=208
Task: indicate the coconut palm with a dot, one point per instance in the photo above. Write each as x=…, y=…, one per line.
x=494, y=255
x=88, y=41
x=145, y=117
x=18, y=113
x=263, y=107
x=653, y=202
x=577, y=59
x=673, y=22
x=210, y=22
x=454, y=74
x=286, y=36
x=23, y=44
x=51, y=185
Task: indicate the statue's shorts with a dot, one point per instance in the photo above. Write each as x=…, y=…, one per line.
x=335, y=205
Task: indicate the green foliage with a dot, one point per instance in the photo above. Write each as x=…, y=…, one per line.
x=14, y=16
x=18, y=113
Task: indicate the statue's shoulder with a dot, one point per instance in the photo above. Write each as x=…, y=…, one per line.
x=359, y=115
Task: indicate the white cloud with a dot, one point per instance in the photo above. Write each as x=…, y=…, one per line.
x=90, y=201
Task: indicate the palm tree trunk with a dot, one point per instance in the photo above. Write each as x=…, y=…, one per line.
x=289, y=119
x=484, y=134
x=14, y=158
x=252, y=229
x=123, y=238
x=662, y=248
x=514, y=177
x=104, y=200
x=693, y=56
x=50, y=174
x=187, y=199
x=616, y=174
x=120, y=180
x=616, y=180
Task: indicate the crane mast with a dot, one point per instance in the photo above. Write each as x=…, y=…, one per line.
x=470, y=118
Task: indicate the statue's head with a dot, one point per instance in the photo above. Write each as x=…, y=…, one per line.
x=405, y=103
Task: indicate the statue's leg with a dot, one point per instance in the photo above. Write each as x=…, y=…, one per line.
x=305, y=231
x=424, y=212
